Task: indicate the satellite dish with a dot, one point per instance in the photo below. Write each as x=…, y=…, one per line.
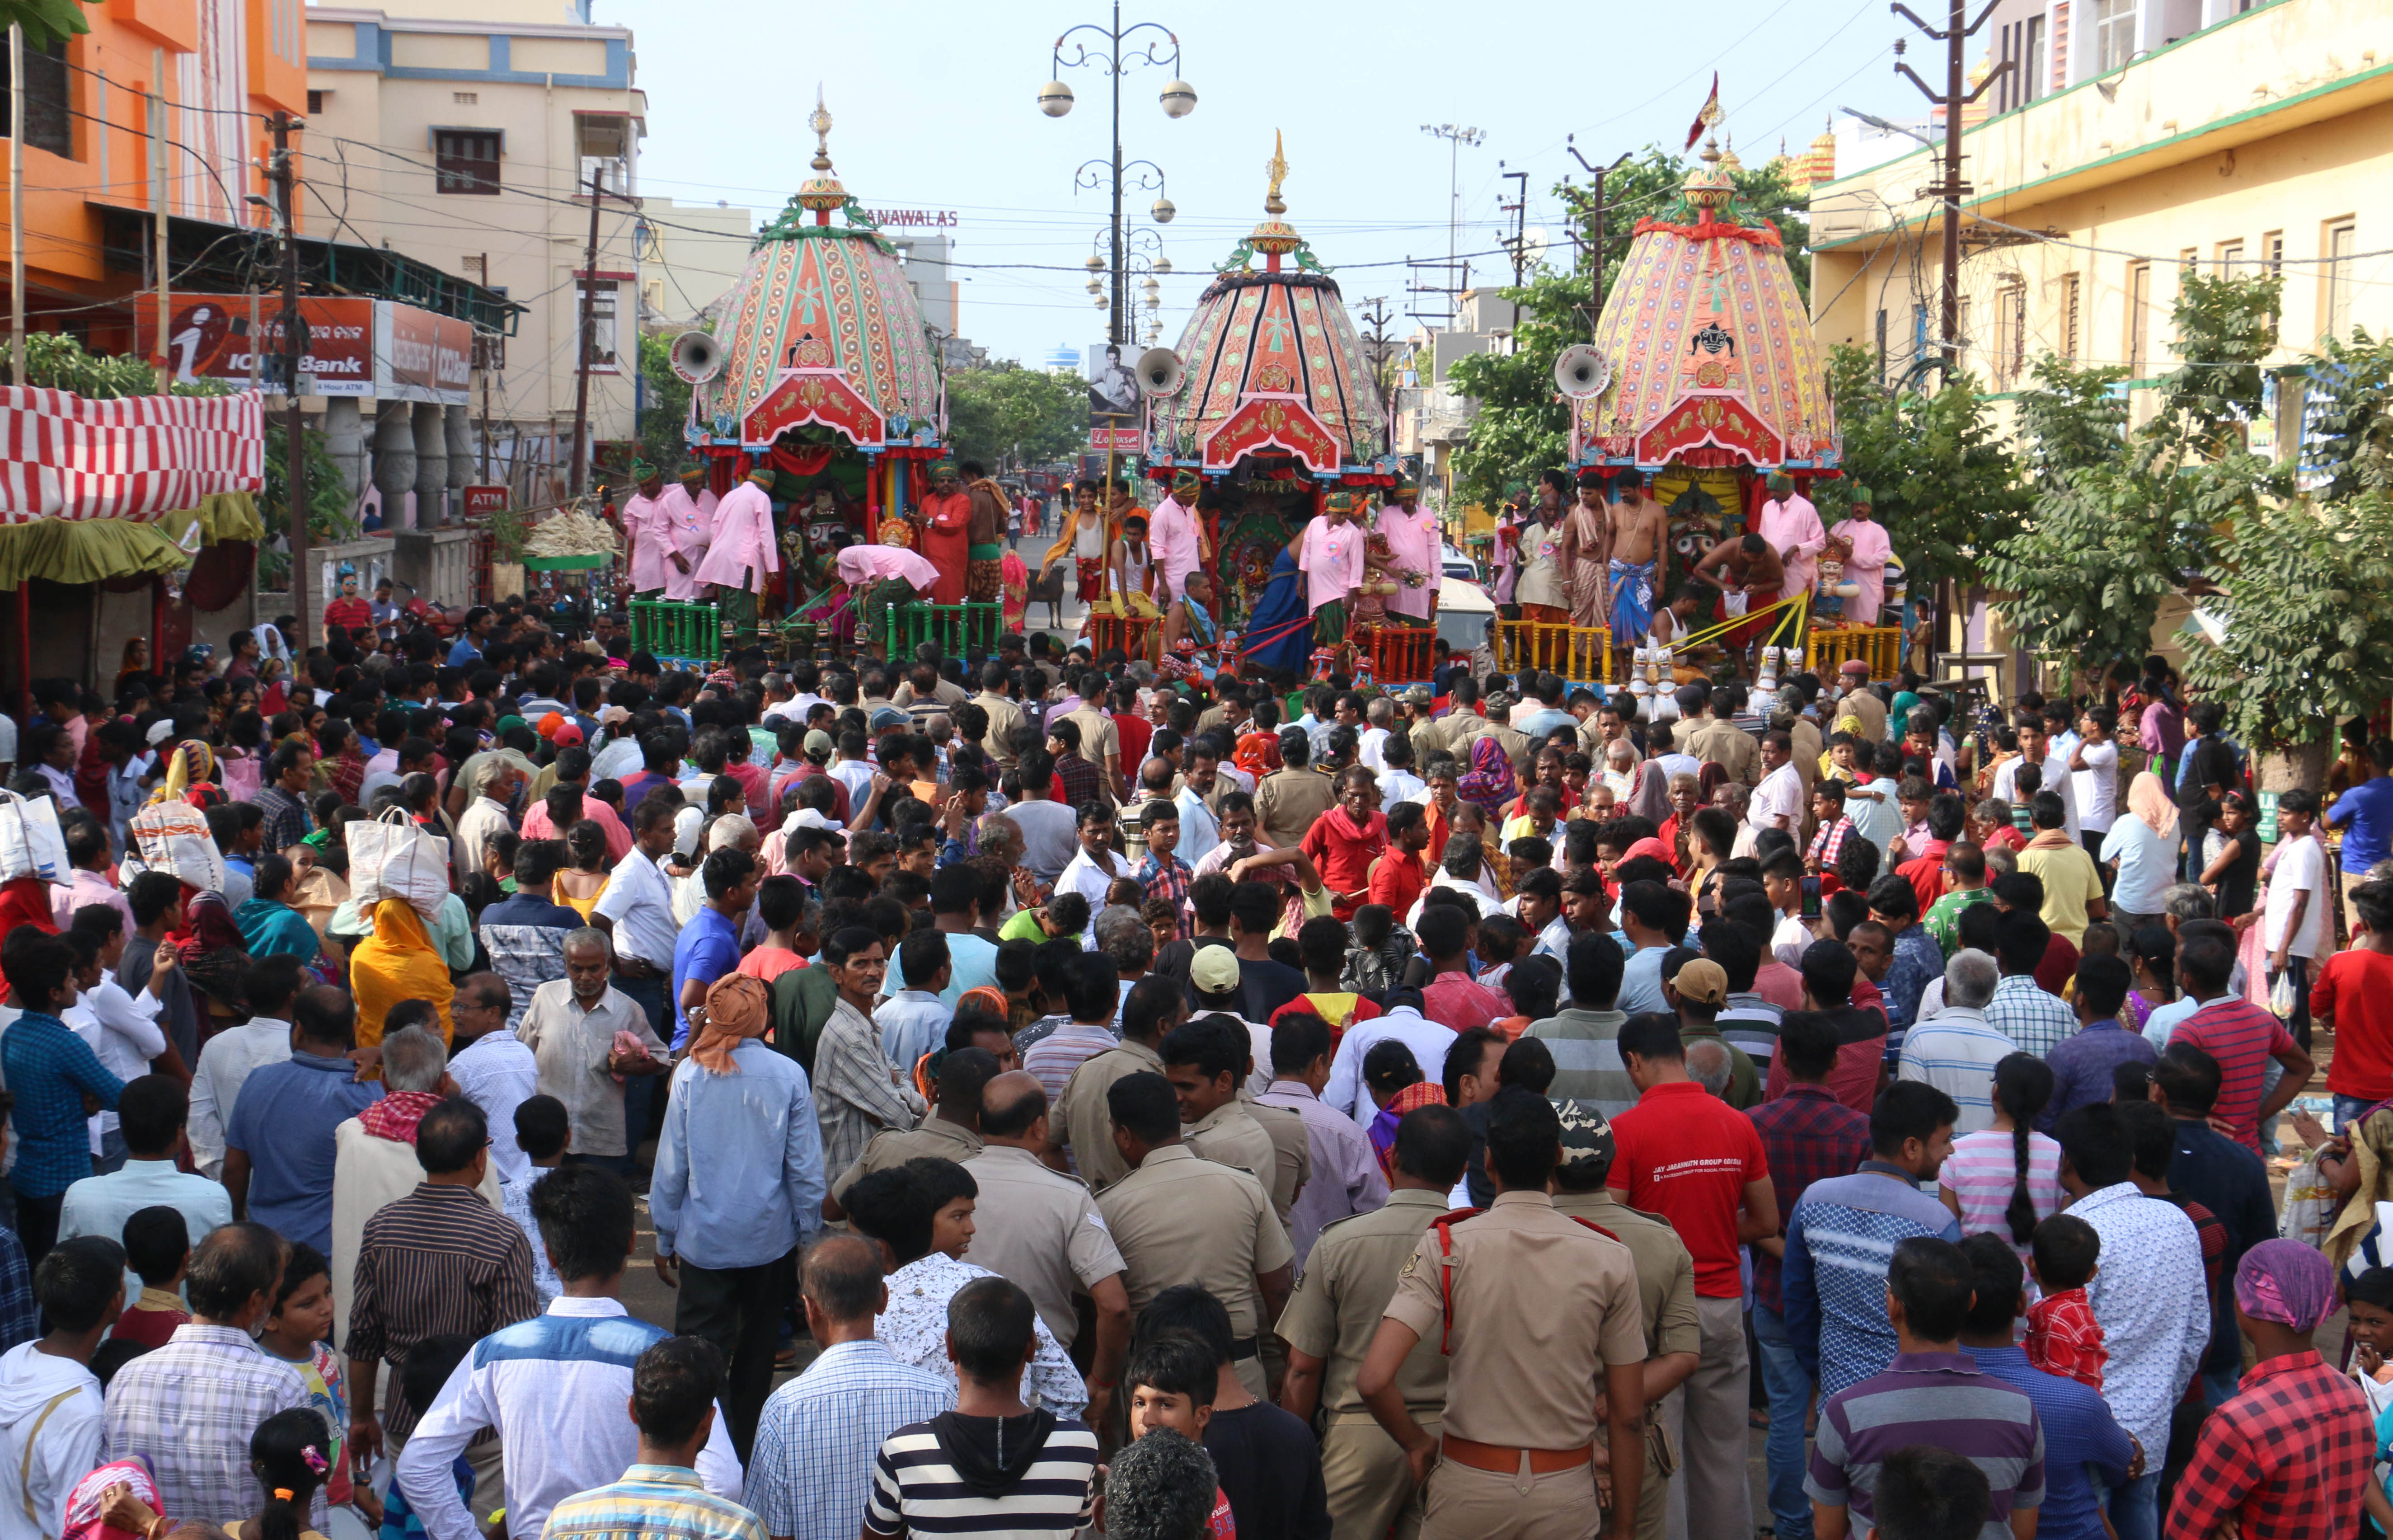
x=1534, y=241
x=1582, y=372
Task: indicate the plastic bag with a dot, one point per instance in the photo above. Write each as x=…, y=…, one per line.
x=2309, y=1207
x=2282, y=996
x=171, y=837
x=30, y=842
x=391, y=857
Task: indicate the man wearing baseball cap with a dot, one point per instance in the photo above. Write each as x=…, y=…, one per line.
x=1666, y=1289
x=1698, y=991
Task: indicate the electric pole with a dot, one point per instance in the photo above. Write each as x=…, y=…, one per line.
x=579, y=476
x=1520, y=212
x=1596, y=236
x=1949, y=189
x=285, y=174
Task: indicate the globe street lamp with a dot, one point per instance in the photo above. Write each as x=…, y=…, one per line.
x=1177, y=100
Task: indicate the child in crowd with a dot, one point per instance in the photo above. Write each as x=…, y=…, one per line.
x=1381, y=949
x=298, y=1332
x=157, y=1245
x=541, y=1132
x=1017, y=974
x=1170, y=1382
x=1266, y=1458
x=1502, y=940
x=426, y=1371
x=2370, y=1299
x=2062, y=1336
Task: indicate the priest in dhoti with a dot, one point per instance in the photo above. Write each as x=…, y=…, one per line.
x=1331, y=557
x=947, y=532
x=690, y=507
x=1866, y=567
x=1412, y=535
x=880, y=579
x=1586, y=551
x=1178, y=536
x=648, y=529
x=744, y=555
x=1792, y=527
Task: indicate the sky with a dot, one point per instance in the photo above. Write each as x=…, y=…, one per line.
x=934, y=107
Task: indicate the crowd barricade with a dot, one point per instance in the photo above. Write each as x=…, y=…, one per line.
x=1827, y=650
x=1580, y=654
x=1396, y=653
x=959, y=630
x=678, y=630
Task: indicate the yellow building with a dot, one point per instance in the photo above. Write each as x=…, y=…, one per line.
x=2261, y=142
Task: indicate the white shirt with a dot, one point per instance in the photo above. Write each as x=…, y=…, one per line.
x=1398, y=786
x=1789, y=939
x=615, y=760
x=1346, y=1091
x=2301, y=867
x=1780, y=795
x=2097, y=786
x=225, y=1065
x=2058, y=780
x=2155, y=1312
x=1084, y=876
x=67, y=1446
x=1367, y=746
x=856, y=776
x=498, y=1074
x=1200, y=830
x=123, y=1033
x=554, y=1386
x=639, y=901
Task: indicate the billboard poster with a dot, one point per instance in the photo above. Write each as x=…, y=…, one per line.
x=420, y=357
x=355, y=346
x=1113, y=390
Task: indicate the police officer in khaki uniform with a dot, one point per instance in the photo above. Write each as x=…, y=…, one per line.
x=1335, y=1312
x=1208, y=1061
x=1717, y=740
x=1042, y=1228
x=951, y=1133
x=1181, y=1219
x=1537, y=1316
x=1291, y=799
x=1666, y=1289
x=1080, y=1121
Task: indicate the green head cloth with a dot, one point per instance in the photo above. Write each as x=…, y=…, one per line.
x=693, y=473
x=1340, y=502
x=1858, y=497
x=1780, y=482
x=643, y=471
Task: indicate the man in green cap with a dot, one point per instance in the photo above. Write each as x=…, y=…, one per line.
x=1331, y=557
x=1178, y=536
x=1412, y=535
x=1792, y=527
x=947, y=532
x=1866, y=559
x=647, y=527
x=691, y=508
x=744, y=555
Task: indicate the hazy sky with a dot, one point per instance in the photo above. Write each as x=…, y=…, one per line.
x=934, y=105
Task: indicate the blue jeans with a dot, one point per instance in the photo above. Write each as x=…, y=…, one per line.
x=1789, y=1390
x=2220, y=1386
x=112, y=1154
x=2135, y=1508
x=2350, y=1107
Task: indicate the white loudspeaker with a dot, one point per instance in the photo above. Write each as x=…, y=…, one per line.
x=1582, y=372
x=697, y=357
x=1160, y=373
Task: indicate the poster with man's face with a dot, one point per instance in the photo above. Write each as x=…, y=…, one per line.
x=1113, y=390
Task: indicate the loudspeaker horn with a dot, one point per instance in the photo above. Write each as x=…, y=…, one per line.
x=1582, y=372
x=1160, y=373
x=697, y=357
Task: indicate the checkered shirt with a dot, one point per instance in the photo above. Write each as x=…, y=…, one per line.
x=656, y=1502
x=187, y=1410
x=1830, y=842
x=2025, y=1013
x=1168, y=878
x=1081, y=781
x=812, y=1469
x=1807, y=1136
x=2284, y=1461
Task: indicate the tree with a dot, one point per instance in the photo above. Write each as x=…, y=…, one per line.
x=667, y=408
x=45, y=21
x=1006, y=414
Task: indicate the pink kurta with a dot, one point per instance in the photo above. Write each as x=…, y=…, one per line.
x=692, y=523
x=862, y=563
x=1172, y=535
x=1331, y=560
x=743, y=552
x=1866, y=567
x=1412, y=544
x=1795, y=523
x=649, y=527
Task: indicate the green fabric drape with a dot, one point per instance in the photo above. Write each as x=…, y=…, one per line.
x=84, y=550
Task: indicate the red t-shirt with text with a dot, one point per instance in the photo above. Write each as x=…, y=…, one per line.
x=1684, y=1153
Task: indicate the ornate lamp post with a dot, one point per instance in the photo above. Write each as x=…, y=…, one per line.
x=1178, y=98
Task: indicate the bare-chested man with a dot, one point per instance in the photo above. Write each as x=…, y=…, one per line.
x=1748, y=568
x=1640, y=532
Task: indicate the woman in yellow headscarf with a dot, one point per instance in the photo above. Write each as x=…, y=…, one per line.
x=398, y=963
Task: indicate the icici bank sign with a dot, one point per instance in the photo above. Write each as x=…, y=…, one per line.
x=376, y=348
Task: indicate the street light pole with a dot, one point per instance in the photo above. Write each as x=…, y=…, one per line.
x=1177, y=100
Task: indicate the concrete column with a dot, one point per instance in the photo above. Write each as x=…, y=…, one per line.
x=345, y=436
x=394, y=464
x=431, y=468
x=457, y=427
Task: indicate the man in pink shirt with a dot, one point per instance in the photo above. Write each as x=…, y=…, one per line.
x=690, y=507
x=648, y=527
x=1331, y=560
x=743, y=555
x=879, y=577
x=540, y=824
x=1173, y=538
x=1452, y=997
x=1792, y=527
x=1412, y=536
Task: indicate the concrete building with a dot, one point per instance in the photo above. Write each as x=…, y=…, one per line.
x=690, y=255
x=2261, y=142
x=472, y=132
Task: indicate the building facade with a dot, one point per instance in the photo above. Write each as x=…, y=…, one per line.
x=690, y=257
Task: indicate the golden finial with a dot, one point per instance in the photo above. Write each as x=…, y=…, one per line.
x=819, y=120
x=1278, y=166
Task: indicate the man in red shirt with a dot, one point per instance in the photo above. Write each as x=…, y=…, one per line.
x=1688, y=1156
x=1396, y=878
x=2240, y=1035
x=343, y=615
x=2353, y=993
x=1343, y=842
x=1452, y=997
x=1924, y=872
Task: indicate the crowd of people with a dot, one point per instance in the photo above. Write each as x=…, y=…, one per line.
x=1189, y=1107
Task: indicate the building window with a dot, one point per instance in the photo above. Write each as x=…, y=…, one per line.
x=602, y=322
x=2342, y=241
x=2230, y=258
x=314, y=103
x=465, y=99
x=2115, y=34
x=2069, y=309
x=2031, y=80
x=605, y=147
x=2139, y=305
x=465, y=160
x=48, y=123
x=2010, y=334
x=476, y=266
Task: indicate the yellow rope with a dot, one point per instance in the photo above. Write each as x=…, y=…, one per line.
x=1720, y=629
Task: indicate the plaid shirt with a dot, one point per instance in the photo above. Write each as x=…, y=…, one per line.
x=657, y=1502
x=187, y=1410
x=1830, y=842
x=2023, y=1012
x=1081, y=781
x=2063, y=1337
x=286, y=819
x=20, y=1321
x=1168, y=879
x=50, y=1068
x=2284, y=1461
x=812, y=1469
x=1807, y=1136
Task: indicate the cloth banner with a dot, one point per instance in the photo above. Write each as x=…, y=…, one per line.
x=136, y=457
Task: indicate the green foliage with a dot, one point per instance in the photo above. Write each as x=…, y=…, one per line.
x=1005, y=415
x=1941, y=479
x=667, y=412
x=2350, y=390
x=2225, y=326
x=2073, y=420
x=45, y=21
x=330, y=516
